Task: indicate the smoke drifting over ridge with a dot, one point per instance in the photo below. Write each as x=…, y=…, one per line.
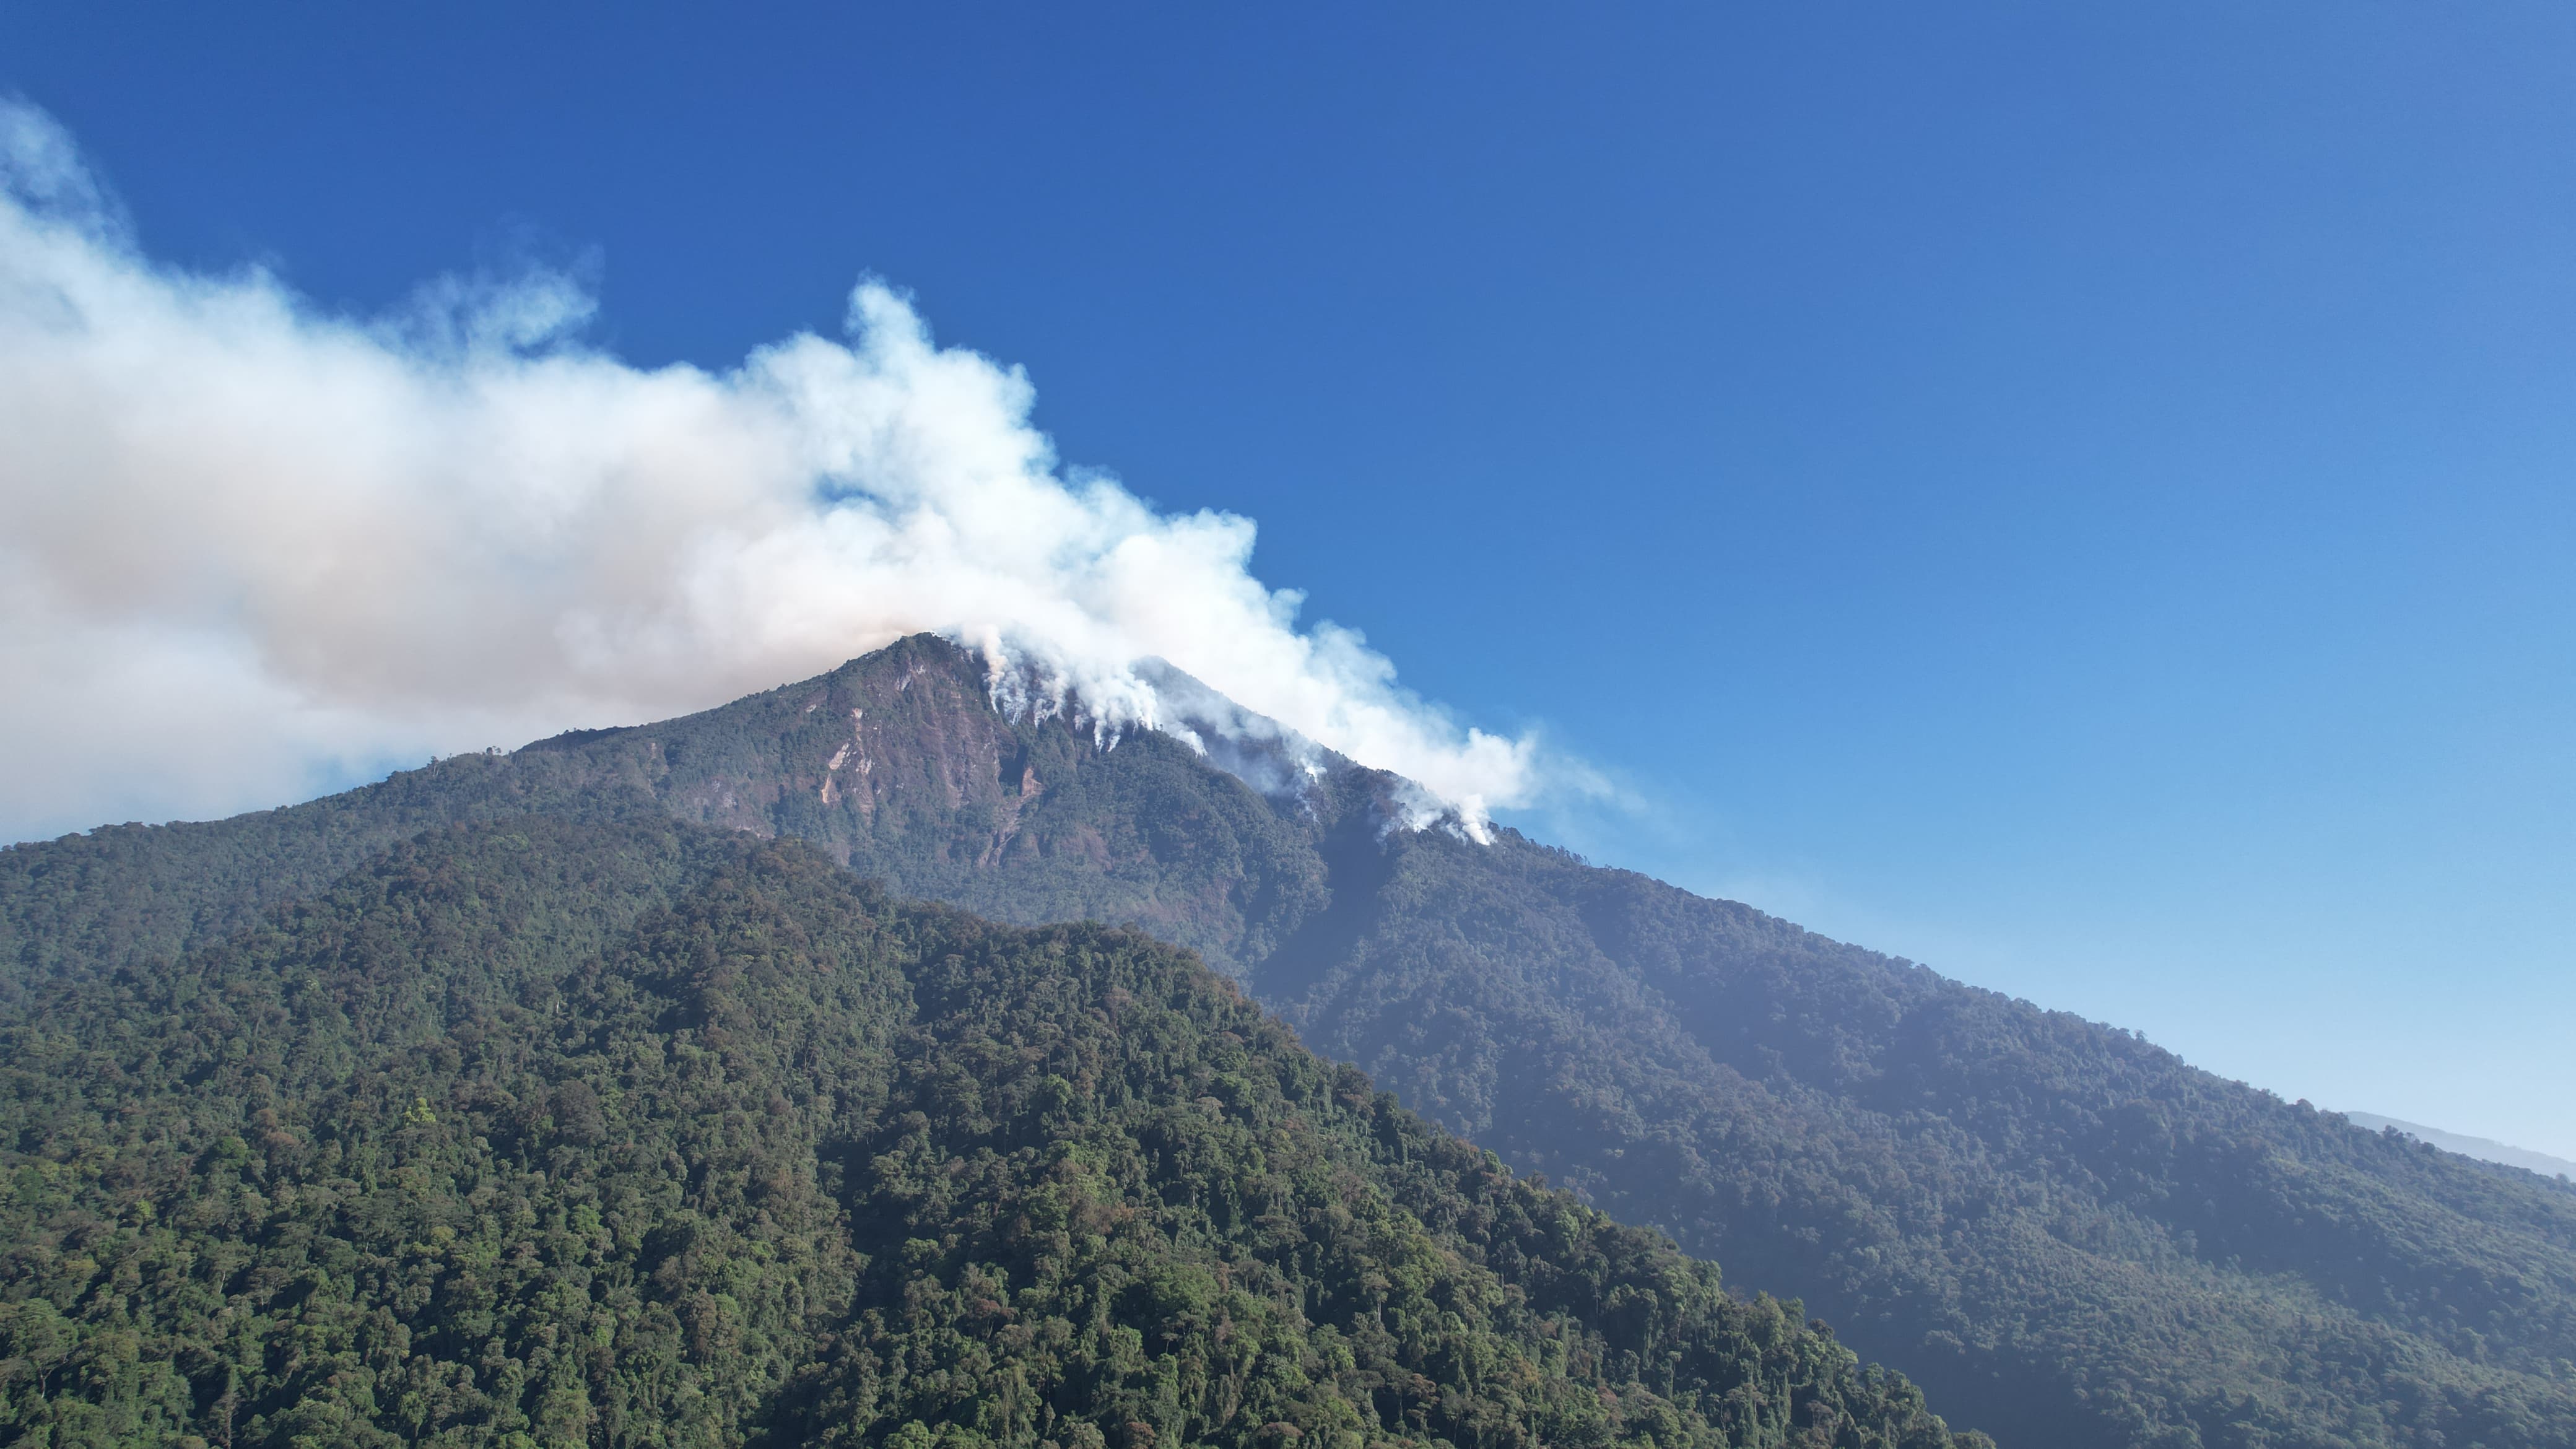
x=247, y=548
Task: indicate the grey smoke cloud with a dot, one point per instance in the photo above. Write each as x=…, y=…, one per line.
x=247, y=547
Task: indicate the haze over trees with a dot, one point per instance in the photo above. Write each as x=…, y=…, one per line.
x=2065, y=1234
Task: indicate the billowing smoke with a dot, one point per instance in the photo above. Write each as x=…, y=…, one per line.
x=248, y=548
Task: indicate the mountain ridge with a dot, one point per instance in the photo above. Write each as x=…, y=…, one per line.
x=2066, y=1234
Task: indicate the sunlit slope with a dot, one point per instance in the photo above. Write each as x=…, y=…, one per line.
x=2069, y=1236
x=645, y=1134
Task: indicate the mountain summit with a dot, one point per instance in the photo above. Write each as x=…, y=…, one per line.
x=2067, y=1235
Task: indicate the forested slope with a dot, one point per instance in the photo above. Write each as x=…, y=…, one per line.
x=2066, y=1234
x=553, y=1133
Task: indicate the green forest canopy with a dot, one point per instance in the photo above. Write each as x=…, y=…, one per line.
x=542, y=1133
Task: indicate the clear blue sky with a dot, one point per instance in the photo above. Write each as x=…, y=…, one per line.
x=2078, y=495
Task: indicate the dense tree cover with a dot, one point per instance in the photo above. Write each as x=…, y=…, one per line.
x=2063, y=1232
x=2066, y=1234
x=544, y=1132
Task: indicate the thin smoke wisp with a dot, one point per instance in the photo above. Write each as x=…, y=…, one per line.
x=249, y=548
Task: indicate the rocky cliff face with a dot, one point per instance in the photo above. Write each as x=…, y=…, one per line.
x=902, y=766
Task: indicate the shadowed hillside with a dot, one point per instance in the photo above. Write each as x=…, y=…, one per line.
x=2065, y=1233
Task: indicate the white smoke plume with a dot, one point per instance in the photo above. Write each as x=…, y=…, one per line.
x=248, y=548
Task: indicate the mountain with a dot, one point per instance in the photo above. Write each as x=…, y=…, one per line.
x=2065, y=1234
x=2484, y=1149
x=543, y=1132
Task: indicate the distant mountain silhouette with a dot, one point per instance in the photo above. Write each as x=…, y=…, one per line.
x=2484, y=1149
x=2065, y=1234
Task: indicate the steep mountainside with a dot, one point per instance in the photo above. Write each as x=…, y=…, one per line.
x=2066, y=1234
x=549, y=1133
